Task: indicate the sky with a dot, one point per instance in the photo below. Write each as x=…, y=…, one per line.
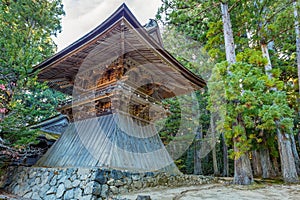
x=84, y=15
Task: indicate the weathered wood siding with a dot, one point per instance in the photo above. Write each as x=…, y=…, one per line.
x=112, y=141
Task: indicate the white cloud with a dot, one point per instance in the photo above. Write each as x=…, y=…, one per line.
x=84, y=15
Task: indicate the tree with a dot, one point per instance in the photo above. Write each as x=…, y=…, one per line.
x=265, y=33
x=253, y=108
x=184, y=22
x=297, y=31
x=260, y=25
x=242, y=166
x=26, y=29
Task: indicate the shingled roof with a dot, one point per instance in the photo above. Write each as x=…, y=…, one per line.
x=140, y=45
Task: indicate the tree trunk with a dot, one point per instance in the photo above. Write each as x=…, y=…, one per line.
x=215, y=162
x=242, y=169
x=189, y=157
x=295, y=154
x=225, y=158
x=267, y=169
x=228, y=35
x=276, y=166
x=256, y=163
x=297, y=30
x=287, y=161
x=214, y=153
x=197, y=158
x=265, y=52
x=299, y=137
x=288, y=167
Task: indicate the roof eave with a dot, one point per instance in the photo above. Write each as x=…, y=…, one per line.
x=121, y=13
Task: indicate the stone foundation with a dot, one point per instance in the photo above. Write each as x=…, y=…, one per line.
x=90, y=183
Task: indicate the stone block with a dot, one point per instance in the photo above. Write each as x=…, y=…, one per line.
x=83, y=183
x=32, y=175
x=116, y=174
x=51, y=174
x=137, y=184
x=96, y=189
x=45, y=178
x=75, y=183
x=135, y=177
x=60, y=190
x=77, y=193
x=28, y=195
x=111, y=181
x=143, y=197
x=129, y=180
x=70, y=171
x=73, y=177
x=35, y=188
x=51, y=197
x=24, y=190
x=38, y=181
x=83, y=171
x=101, y=177
x=114, y=189
x=119, y=183
x=89, y=188
x=123, y=190
x=68, y=184
x=104, y=191
x=16, y=188
x=35, y=196
x=43, y=190
x=83, y=177
x=62, y=179
x=53, y=181
x=69, y=195
x=52, y=190
x=87, y=197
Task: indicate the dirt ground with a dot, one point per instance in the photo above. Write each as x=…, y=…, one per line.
x=223, y=191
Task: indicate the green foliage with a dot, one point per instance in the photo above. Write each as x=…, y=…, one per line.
x=26, y=28
x=247, y=102
x=199, y=20
x=253, y=105
x=172, y=123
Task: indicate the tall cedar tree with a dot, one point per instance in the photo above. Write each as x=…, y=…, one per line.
x=256, y=24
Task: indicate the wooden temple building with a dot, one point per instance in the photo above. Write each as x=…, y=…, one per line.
x=116, y=77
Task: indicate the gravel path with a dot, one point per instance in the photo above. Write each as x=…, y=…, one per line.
x=222, y=191
x=212, y=192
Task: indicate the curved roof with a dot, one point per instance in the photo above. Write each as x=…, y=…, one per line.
x=60, y=69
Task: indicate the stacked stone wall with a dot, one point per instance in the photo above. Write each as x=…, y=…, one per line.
x=91, y=183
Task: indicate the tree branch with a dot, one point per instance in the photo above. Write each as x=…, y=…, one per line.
x=231, y=7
